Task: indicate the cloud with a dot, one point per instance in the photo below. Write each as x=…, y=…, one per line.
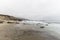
x=30, y=8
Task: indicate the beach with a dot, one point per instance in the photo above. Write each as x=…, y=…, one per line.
x=27, y=32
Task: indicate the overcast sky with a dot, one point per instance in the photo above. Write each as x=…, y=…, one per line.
x=33, y=9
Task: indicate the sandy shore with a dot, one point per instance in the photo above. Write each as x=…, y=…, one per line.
x=24, y=32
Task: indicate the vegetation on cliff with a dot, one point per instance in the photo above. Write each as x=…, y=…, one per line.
x=8, y=17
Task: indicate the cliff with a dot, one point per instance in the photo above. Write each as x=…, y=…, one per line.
x=8, y=17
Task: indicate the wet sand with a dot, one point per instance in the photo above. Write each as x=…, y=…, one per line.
x=24, y=32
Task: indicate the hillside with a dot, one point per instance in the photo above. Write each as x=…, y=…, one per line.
x=8, y=17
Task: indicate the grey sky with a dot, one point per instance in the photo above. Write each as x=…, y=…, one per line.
x=33, y=9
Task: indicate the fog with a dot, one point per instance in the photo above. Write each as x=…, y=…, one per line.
x=32, y=9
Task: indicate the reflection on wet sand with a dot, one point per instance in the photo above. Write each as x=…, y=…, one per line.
x=23, y=32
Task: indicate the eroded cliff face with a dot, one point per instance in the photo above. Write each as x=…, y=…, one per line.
x=7, y=17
